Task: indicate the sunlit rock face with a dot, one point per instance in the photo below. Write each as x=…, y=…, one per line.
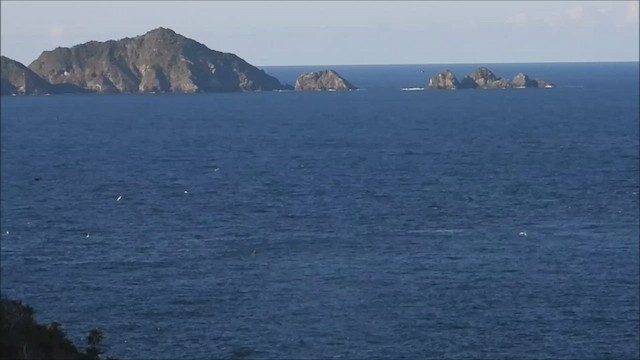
x=326, y=80
x=158, y=61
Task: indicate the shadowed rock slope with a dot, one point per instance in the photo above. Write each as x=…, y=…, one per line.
x=158, y=61
x=17, y=79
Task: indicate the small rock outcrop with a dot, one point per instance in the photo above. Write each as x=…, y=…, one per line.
x=444, y=80
x=159, y=61
x=326, y=80
x=523, y=80
x=543, y=83
x=483, y=78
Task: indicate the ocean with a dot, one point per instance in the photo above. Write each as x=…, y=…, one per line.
x=378, y=223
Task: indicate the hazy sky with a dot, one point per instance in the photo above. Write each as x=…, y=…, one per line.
x=337, y=33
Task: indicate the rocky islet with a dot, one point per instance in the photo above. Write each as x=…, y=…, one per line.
x=325, y=80
x=483, y=78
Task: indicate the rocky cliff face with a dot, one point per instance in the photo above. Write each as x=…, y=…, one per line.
x=483, y=77
x=443, y=80
x=326, y=80
x=17, y=79
x=158, y=61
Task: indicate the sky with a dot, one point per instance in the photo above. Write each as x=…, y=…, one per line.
x=267, y=33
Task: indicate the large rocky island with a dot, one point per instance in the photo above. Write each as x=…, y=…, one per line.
x=483, y=78
x=326, y=80
x=158, y=61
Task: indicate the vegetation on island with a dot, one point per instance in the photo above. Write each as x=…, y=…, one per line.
x=21, y=337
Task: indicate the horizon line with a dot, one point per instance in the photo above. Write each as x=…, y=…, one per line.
x=428, y=63
x=465, y=63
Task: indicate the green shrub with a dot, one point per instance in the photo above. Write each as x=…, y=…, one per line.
x=23, y=338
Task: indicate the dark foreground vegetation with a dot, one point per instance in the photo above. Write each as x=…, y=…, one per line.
x=21, y=338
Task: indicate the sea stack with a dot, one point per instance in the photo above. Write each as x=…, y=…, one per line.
x=444, y=80
x=523, y=80
x=326, y=80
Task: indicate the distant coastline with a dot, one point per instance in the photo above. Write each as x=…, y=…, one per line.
x=162, y=61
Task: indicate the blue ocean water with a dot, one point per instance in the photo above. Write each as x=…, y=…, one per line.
x=385, y=223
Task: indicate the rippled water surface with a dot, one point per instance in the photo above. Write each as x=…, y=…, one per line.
x=378, y=223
